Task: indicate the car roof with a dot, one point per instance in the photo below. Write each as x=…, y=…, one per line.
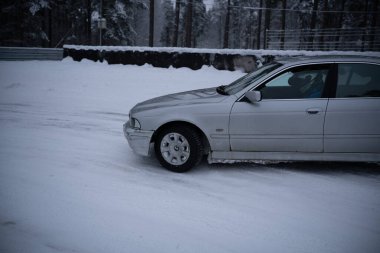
x=327, y=59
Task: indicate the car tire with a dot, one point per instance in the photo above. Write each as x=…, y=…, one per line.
x=179, y=148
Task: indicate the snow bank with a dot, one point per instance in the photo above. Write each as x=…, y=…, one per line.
x=194, y=58
x=261, y=52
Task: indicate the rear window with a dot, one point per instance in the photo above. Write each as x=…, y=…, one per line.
x=358, y=80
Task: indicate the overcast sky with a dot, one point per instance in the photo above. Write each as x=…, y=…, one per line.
x=208, y=3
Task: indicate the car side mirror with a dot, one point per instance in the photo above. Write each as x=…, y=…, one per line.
x=253, y=96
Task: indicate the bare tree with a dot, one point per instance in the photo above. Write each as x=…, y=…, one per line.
x=227, y=26
x=88, y=21
x=47, y=26
x=324, y=23
x=259, y=25
x=176, y=23
x=340, y=23
x=313, y=24
x=365, y=23
x=373, y=24
x=151, y=23
x=283, y=19
x=268, y=13
x=189, y=24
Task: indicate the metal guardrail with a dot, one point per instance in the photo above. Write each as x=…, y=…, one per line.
x=29, y=53
x=344, y=39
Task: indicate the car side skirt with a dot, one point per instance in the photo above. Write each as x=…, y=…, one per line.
x=223, y=156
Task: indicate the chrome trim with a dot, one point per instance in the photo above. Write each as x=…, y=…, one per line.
x=139, y=140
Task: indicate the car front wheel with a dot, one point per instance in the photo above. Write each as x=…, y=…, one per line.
x=178, y=148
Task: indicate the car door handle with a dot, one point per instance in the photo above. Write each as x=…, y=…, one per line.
x=313, y=110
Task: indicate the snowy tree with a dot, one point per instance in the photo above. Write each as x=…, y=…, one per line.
x=215, y=29
x=51, y=23
x=151, y=23
x=168, y=29
x=259, y=24
x=119, y=15
x=199, y=21
x=176, y=22
x=21, y=22
x=283, y=23
x=244, y=24
x=189, y=23
x=76, y=13
x=375, y=8
x=226, y=34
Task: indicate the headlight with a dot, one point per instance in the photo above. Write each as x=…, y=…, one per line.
x=134, y=123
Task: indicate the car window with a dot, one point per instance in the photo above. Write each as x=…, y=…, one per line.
x=358, y=80
x=297, y=83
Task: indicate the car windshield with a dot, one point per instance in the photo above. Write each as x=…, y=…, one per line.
x=246, y=80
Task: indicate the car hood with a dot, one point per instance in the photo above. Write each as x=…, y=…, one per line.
x=179, y=99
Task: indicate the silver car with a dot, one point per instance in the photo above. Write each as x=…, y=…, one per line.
x=315, y=109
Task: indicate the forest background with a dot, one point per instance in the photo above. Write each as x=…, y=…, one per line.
x=245, y=24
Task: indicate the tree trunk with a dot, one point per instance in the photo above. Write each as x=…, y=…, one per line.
x=313, y=24
x=151, y=23
x=268, y=13
x=176, y=23
x=47, y=27
x=50, y=27
x=283, y=19
x=259, y=25
x=324, y=25
x=19, y=33
x=88, y=22
x=373, y=25
x=340, y=21
x=227, y=26
x=189, y=24
x=101, y=14
x=365, y=24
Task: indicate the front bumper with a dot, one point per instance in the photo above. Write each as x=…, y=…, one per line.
x=139, y=140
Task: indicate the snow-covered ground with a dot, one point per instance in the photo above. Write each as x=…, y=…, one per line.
x=70, y=183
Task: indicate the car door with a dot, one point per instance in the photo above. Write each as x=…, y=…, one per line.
x=290, y=116
x=353, y=116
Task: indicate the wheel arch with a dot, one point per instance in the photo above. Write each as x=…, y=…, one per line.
x=205, y=140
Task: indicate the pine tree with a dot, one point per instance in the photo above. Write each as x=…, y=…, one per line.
x=374, y=18
x=151, y=22
x=215, y=29
x=243, y=24
x=141, y=23
x=283, y=25
x=21, y=22
x=119, y=15
x=189, y=23
x=259, y=24
x=168, y=29
x=303, y=18
x=226, y=35
x=313, y=23
x=176, y=22
x=199, y=21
